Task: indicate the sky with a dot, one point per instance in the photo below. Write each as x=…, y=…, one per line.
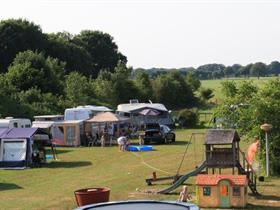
x=166, y=33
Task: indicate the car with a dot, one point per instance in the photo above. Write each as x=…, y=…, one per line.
x=155, y=132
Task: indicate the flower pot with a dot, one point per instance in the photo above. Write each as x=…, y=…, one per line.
x=92, y=195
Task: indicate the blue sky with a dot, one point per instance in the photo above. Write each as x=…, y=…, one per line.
x=170, y=34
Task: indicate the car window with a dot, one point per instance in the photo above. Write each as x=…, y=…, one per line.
x=165, y=128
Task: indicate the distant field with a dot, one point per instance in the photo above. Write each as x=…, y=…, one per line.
x=216, y=84
x=53, y=185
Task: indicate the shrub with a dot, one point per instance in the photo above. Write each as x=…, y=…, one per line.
x=188, y=118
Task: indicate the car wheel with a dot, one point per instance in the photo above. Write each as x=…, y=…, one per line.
x=173, y=138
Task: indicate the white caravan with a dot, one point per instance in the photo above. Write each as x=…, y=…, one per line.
x=10, y=122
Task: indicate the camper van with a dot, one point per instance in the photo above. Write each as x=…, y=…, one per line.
x=10, y=122
x=84, y=112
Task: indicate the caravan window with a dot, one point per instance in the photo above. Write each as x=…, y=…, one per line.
x=27, y=126
x=15, y=124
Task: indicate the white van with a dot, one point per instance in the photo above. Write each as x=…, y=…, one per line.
x=10, y=122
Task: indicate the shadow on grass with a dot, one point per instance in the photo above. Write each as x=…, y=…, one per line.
x=59, y=151
x=264, y=207
x=178, y=143
x=268, y=197
x=63, y=164
x=9, y=186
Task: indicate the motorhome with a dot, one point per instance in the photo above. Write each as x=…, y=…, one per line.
x=10, y=122
x=143, y=113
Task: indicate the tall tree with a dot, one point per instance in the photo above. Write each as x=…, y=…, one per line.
x=258, y=69
x=246, y=70
x=193, y=81
x=31, y=69
x=103, y=50
x=172, y=90
x=274, y=68
x=115, y=87
x=78, y=90
x=144, y=86
x=17, y=35
x=76, y=58
x=228, y=71
x=261, y=106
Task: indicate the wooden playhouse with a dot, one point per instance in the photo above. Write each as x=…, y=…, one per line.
x=223, y=191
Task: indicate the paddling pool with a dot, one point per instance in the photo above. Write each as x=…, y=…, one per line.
x=141, y=205
x=145, y=148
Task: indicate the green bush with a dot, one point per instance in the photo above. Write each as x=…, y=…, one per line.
x=188, y=118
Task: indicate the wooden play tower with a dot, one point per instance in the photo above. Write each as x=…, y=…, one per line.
x=222, y=151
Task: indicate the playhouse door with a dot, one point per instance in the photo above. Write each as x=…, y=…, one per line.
x=224, y=194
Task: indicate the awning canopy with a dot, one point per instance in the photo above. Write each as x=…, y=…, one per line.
x=149, y=112
x=13, y=133
x=107, y=117
x=42, y=124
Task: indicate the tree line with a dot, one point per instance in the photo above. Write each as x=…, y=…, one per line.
x=218, y=71
x=46, y=73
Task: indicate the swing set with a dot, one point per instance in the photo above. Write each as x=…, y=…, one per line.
x=177, y=176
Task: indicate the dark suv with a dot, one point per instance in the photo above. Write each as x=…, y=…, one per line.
x=155, y=132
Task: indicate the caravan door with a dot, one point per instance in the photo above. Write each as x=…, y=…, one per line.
x=14, y=150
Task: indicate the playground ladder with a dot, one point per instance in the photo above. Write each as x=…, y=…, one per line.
x=247, y=170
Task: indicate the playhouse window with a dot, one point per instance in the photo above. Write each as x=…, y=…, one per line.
x=206, y=191
x=236, y=191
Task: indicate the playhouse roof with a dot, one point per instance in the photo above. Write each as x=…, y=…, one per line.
x=213, y=180
x=221, y=136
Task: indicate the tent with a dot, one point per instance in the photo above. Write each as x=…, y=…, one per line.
x=107, y=117
x=68, y=132
x=17, y=145
x=98, y=122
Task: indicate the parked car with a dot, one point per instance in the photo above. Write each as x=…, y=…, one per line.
x=155, y=132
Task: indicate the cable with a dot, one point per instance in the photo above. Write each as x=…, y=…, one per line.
x=148, y=165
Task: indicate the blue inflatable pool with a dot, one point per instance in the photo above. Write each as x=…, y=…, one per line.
x=49, y=157
x=133, y=148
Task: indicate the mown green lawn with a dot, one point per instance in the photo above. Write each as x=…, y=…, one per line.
x=52, y=186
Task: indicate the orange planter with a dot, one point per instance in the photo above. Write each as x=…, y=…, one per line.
x=92, y=195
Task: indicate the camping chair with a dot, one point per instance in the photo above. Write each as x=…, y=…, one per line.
x=55, y=142
x=92, y=141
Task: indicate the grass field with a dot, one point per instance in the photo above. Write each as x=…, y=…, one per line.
x=216, y=84
x=53, y=185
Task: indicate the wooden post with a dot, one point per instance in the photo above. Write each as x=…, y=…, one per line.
x=233, y=158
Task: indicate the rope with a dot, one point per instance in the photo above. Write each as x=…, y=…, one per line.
x=189, y=142
x=180, y=165
x=148, y=165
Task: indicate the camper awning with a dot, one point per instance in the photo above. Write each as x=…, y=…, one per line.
x=42, y=124
x=20, y=133
x=14, y=133
x=3, y=131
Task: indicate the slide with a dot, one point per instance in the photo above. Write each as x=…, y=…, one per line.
x=183, y=178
